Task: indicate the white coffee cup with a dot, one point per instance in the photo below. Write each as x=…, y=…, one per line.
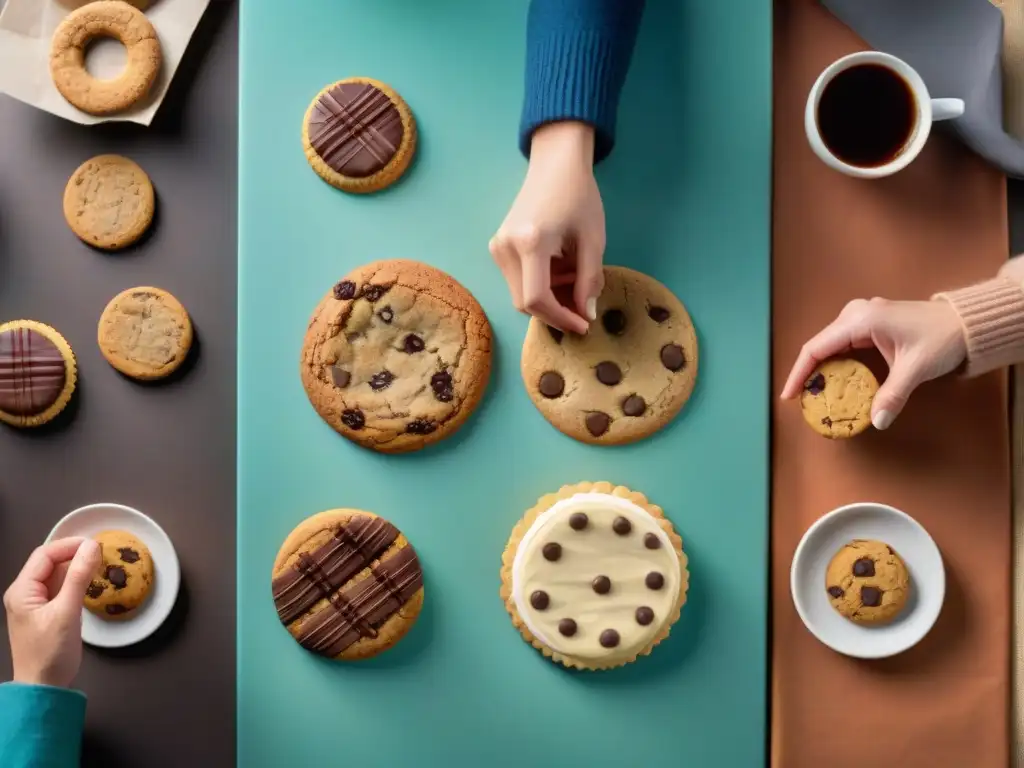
x=927, y=109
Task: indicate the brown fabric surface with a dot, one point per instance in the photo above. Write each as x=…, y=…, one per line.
x=939, y=224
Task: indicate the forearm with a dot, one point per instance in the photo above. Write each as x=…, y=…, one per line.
x=577, y=56
x=40, y=726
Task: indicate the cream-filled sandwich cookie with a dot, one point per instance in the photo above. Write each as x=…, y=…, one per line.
x=594, y=576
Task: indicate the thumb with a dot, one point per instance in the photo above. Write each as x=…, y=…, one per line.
x=80, y=572
x=904, y=378
x=589, y=278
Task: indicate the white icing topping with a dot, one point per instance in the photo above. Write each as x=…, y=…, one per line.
x=594, y=551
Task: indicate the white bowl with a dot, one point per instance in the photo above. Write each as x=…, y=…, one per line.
x=90, y=520
x=868, y=520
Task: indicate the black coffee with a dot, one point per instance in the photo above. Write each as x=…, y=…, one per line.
x=866, y=115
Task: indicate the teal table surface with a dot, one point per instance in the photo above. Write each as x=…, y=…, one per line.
x=687, y=194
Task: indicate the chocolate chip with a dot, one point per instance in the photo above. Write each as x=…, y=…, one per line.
x=865, y=566
x=672, y=357
x=94, y=590
x=373, y=292
x=891, y=550
x=116, y=609
x=658, y=314
x=551, y=384
x=614, y=321
x=340, y=376
x=871, y=597
x=644, y=615
x=345, y=290
x=387, y=314
x=608, y=373
x=602, y=585
x=441, y=383
x=420, y=427
x=578, y=521
x=539, y=599
x=413, y=344
x=552, y=551
x=654, y=580
x=556, y=334
x=567, y=627
x=827, y=421
x=597, y=423
x=836, y=592
x=634, y=405
x=128, y=555
x=621, y=526
x=651, y=541
x=609, y=638
x=116, y=575
x=816, y=384
x=353, y=418
x=381, y=381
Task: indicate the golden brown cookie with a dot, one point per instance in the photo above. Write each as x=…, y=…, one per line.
x=836, y=401
x=397, y=355
x=106, y=18
x=145, y=333
x=38, y=373
x=109, y=202
x=867, y=582
x=359, y=135
x=124, y=578
x=628, y=377
x=594, y=576
x=347, y=584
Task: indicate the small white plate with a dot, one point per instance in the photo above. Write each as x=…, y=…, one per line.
x=868, y=520
x=90, y=520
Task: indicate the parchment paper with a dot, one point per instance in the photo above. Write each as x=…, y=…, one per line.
x=26, y=28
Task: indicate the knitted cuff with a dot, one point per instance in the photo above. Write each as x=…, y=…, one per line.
x=992, y=314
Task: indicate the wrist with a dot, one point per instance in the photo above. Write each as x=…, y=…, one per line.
x=563, y=140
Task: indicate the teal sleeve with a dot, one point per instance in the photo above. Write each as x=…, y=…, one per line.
x=40, y=726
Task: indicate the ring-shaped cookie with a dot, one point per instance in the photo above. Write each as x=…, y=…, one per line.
x=107, y=18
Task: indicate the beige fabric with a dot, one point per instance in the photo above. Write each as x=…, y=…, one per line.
x=1013, y=65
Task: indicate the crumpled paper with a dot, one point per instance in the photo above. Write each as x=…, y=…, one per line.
x=26, y=28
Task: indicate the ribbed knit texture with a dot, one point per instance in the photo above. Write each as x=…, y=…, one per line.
x=993, y=317
x=577, y=57
x=40, y=726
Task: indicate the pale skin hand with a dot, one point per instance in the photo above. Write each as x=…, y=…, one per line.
x=44, y=611
x=552, y=240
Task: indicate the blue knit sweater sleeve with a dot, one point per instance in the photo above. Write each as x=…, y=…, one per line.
x=577, y=57
x=40, y=727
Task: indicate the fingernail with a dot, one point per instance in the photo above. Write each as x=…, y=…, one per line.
x=883, y=420
x=592, y=308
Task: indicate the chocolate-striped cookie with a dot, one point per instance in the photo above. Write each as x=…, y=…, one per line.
x=38, y=373
x=347, y=584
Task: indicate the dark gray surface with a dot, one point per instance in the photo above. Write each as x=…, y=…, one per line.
x=168, y=450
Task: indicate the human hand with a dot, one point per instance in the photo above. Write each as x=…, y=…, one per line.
x=554, y=236
x=44, y=611
x=920, y=341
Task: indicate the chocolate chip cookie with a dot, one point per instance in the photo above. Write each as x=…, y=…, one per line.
x=145, y=333
x=347, y=584
x=124, y=578
x=867, y=582
x=397, y=355
x=628, y=377
x=38, y=373
x=836, y=401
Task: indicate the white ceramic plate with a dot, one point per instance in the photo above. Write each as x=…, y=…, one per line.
x=90, y=520
x=868, y=520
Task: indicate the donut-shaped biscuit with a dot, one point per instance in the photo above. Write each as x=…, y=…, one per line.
x=107, y=18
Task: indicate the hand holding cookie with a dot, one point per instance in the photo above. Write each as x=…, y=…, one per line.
x=920, y=341
x=44, y=611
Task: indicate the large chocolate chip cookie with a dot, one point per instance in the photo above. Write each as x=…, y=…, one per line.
x=628, y=377
x=397, y=356
x=868, y=582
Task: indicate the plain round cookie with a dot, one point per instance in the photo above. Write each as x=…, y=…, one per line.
x=867, y=582
x=347, y=584
x=628, y=377
x=109, y=202
x=38, y=373
x=396, y=356
x=837, y=397
x=145, y=333
x=359, y=135
x=603, y=573
x=124, y=578
x=105, y=18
